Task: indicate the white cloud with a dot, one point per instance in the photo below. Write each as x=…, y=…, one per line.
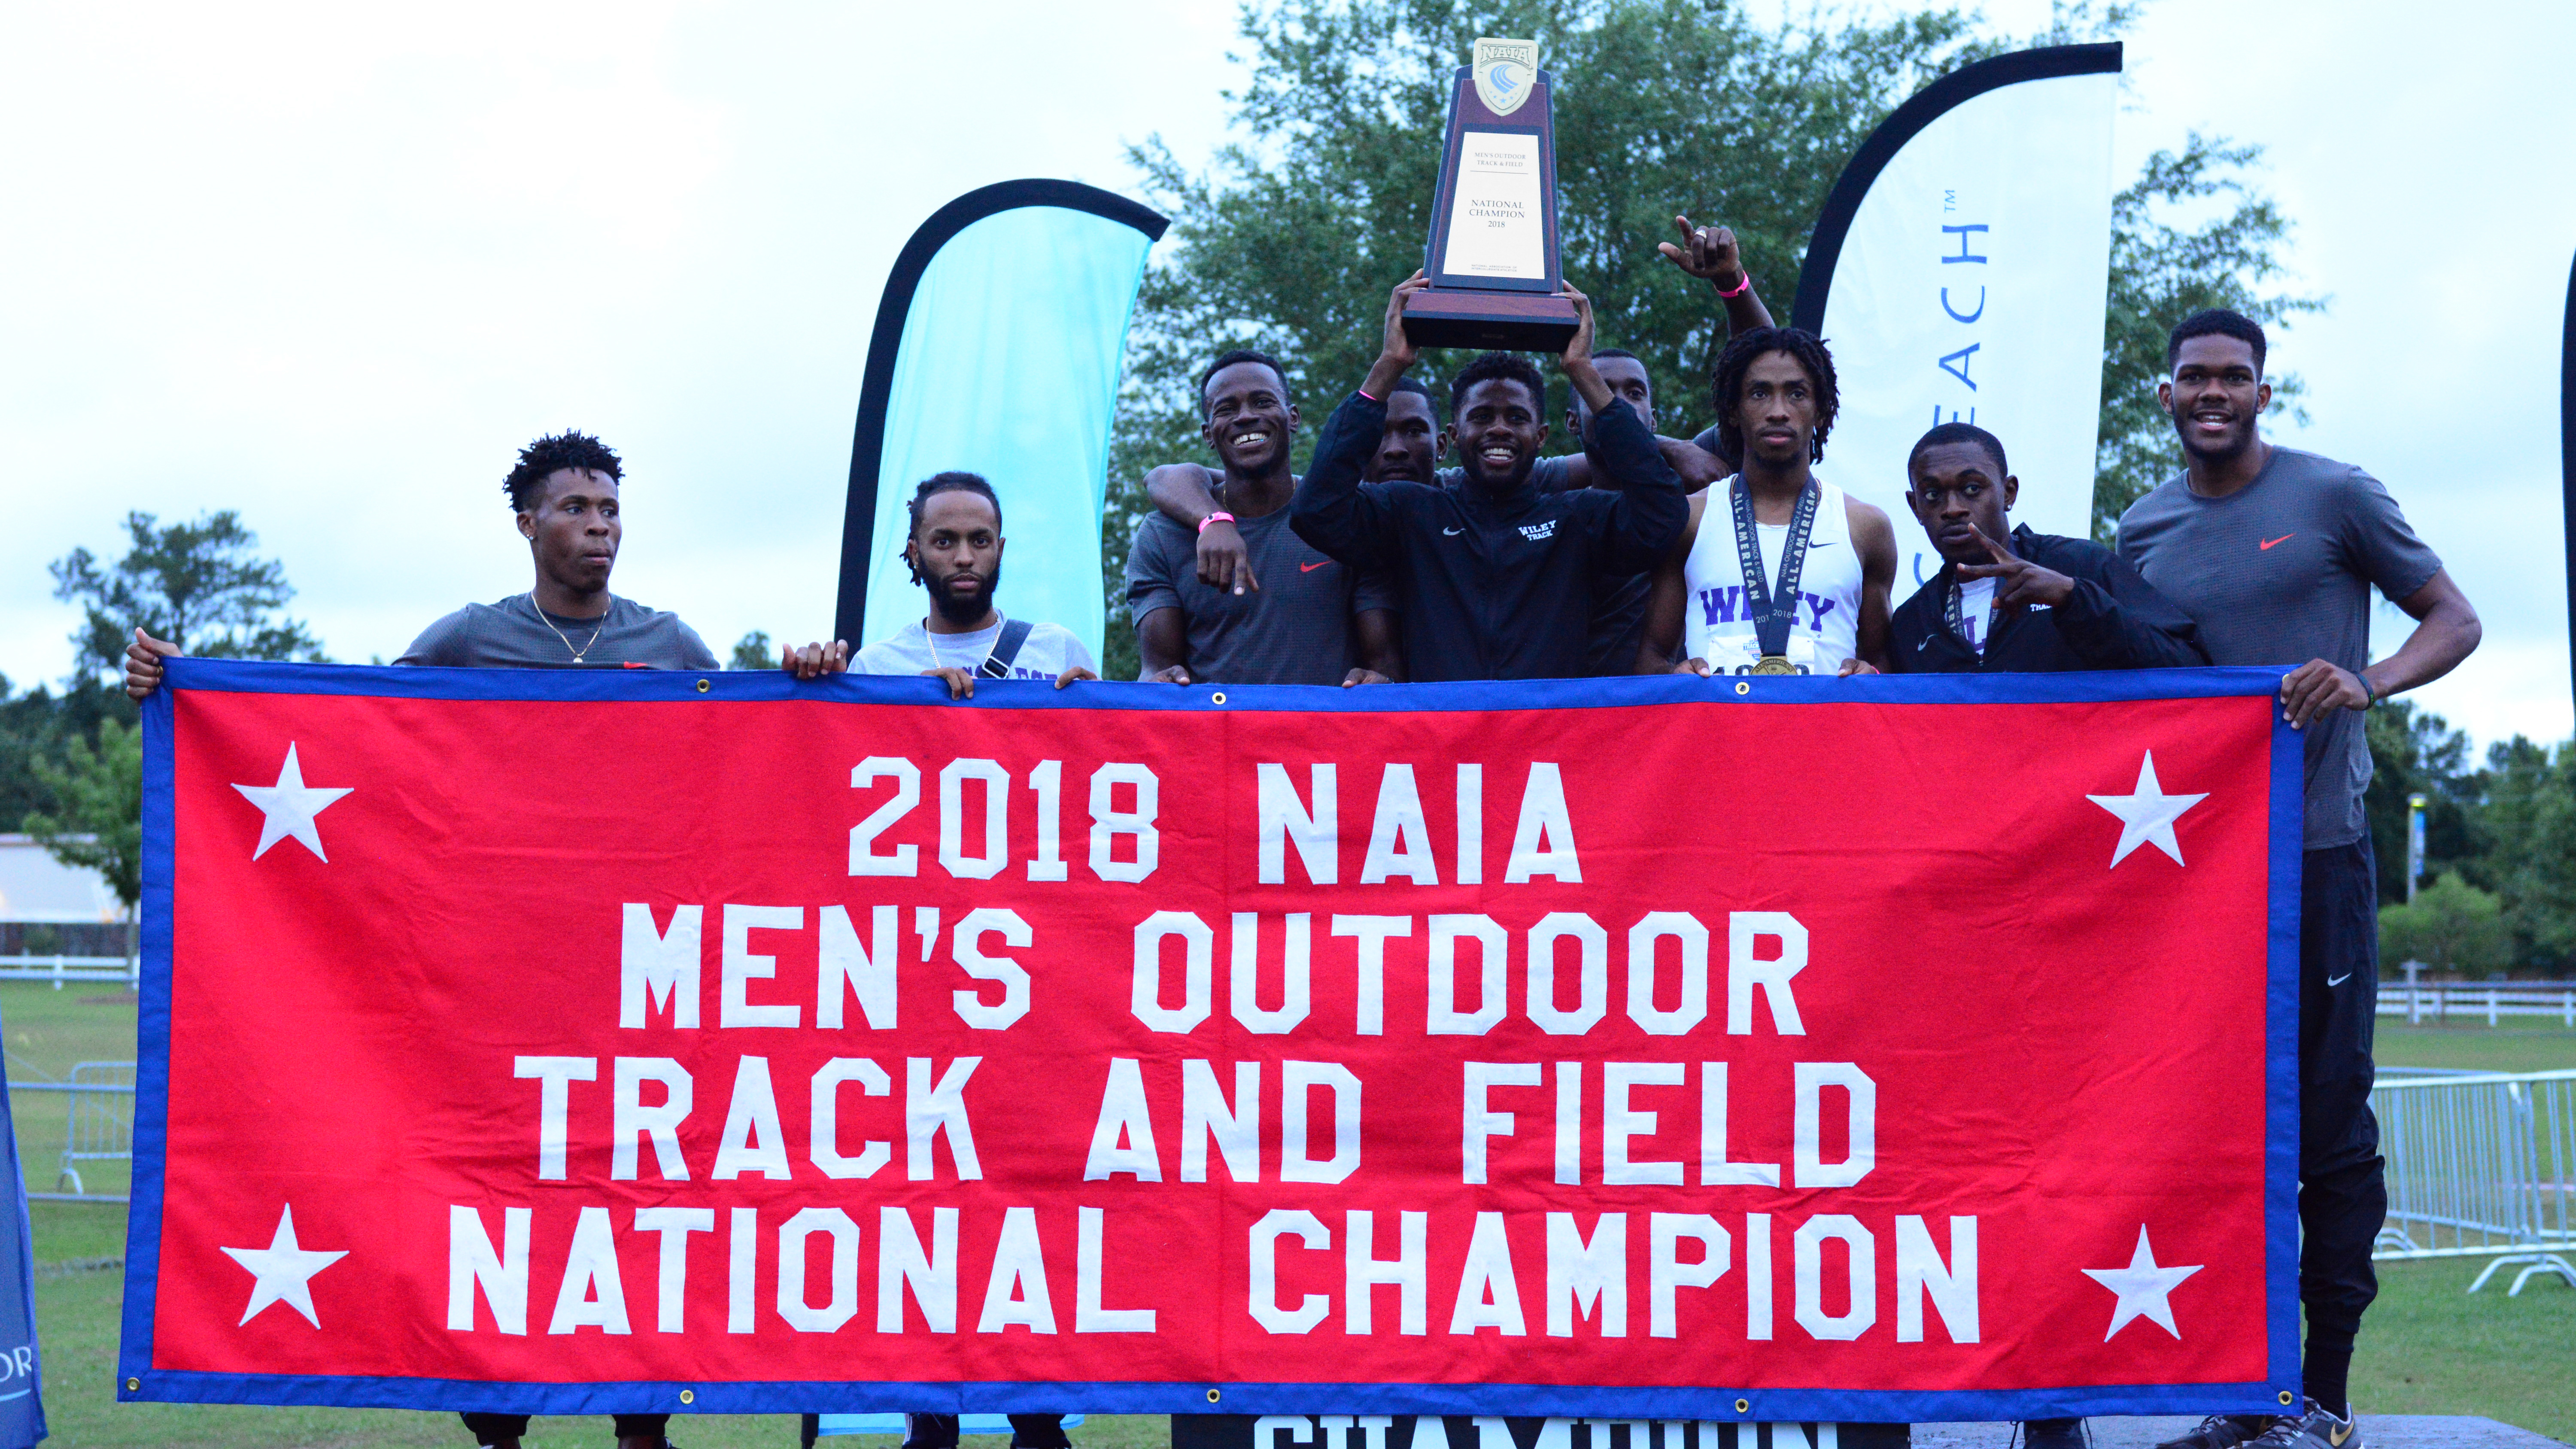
x=332, y=265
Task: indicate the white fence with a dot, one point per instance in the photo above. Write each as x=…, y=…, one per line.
x=113, y=970
x=2473, y=1003
x=2480, y=1163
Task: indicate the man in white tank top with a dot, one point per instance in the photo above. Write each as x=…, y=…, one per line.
x=1807, y=592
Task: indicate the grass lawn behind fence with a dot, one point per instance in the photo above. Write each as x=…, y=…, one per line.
x=2428, y=1347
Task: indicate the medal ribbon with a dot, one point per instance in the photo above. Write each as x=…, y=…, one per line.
x=1772, y=615
x=1951, y=606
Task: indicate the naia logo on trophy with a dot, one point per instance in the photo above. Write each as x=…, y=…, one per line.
x=1504, y=70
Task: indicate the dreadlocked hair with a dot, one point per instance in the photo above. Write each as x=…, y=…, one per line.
x=550, y=455
x=931, y=487
x=1804, y=348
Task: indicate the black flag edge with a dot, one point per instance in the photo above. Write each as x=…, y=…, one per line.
x=876, y=387
x=2567, y=465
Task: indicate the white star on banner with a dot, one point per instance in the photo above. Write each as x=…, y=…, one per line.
x=285, y=1270
x=290, y=806
x=2142, y=1287
x=2147, y=815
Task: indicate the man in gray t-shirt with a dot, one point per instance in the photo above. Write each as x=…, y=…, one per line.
x=565, y=494
x=2274, y=553
x=2280, y=572
x=516, y=634
x=1305, y=624
x=1284, y=613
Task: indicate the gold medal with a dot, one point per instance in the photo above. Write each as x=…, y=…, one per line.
x=1774, y=664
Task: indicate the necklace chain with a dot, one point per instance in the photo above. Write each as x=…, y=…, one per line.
x=933, y=640
x=531, y=597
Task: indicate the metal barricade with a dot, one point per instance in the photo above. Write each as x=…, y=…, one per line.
x=2480, y=1163
x=98, y=1125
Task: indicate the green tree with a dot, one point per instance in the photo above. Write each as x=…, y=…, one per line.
x=198, y=585
x=2161, y=273
x=2413, y=752
x=37, y=725
x=2526, y=849
x=2452, y=927
x=97, y=819
x=1290, y=238
x=754, y=651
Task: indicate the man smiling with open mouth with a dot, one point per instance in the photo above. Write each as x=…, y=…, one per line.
x=2273, y=553
x=1261, y=606
x=1496, y=579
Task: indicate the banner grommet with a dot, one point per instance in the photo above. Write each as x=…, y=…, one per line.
x=1212, y=1396
x=1744, y=686
x=688, y=1396
x=133, y=1385
x=1217, y=698
x=1742, y=1405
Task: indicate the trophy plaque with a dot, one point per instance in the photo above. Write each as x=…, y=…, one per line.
x=1492, y=259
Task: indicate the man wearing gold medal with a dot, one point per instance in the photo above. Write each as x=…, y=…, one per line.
x=1777, y=571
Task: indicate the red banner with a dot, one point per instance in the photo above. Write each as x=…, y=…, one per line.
x=1772, y=1049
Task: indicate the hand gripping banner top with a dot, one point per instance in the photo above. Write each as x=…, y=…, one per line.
x=1734, y=1050
x=997, y=350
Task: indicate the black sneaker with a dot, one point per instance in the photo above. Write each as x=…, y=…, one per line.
x=2053, y=1434
x=2314, y=1428
x=2221, y=1431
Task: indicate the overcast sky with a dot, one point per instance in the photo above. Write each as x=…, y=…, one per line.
x=332, y=266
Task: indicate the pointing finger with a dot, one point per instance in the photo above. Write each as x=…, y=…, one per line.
x=1992, y=547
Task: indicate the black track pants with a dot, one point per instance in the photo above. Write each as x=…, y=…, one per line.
x=2343, y=1190
x=492, y=1428
x=1028, y=1431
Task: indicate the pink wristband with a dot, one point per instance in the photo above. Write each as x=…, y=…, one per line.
x=1364, y=392
x=1214, y=518
x=1741, y=287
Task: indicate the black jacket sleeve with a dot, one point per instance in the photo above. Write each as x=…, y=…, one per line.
x=1637, y=522
x=1341, y=517
x=1909, y=627
x=2117, y=620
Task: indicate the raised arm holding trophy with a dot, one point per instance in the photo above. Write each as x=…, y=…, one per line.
x=1492, y=260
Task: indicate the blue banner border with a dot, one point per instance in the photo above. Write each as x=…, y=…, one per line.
x=138, y=1380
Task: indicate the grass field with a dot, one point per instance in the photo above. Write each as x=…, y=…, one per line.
x=2481, y=1047
x=2428, y=1347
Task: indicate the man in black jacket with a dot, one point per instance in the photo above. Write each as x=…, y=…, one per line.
x=2034, y=603
x=1494, y=580
x=2018, y=601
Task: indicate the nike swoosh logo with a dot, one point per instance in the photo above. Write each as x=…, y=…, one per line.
x=2339, y=980
x=1453, y=532
x=2284, y=538
x=2337, y=1435
x=1310, y=568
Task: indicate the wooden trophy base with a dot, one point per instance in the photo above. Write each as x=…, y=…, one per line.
x=1499, y=321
